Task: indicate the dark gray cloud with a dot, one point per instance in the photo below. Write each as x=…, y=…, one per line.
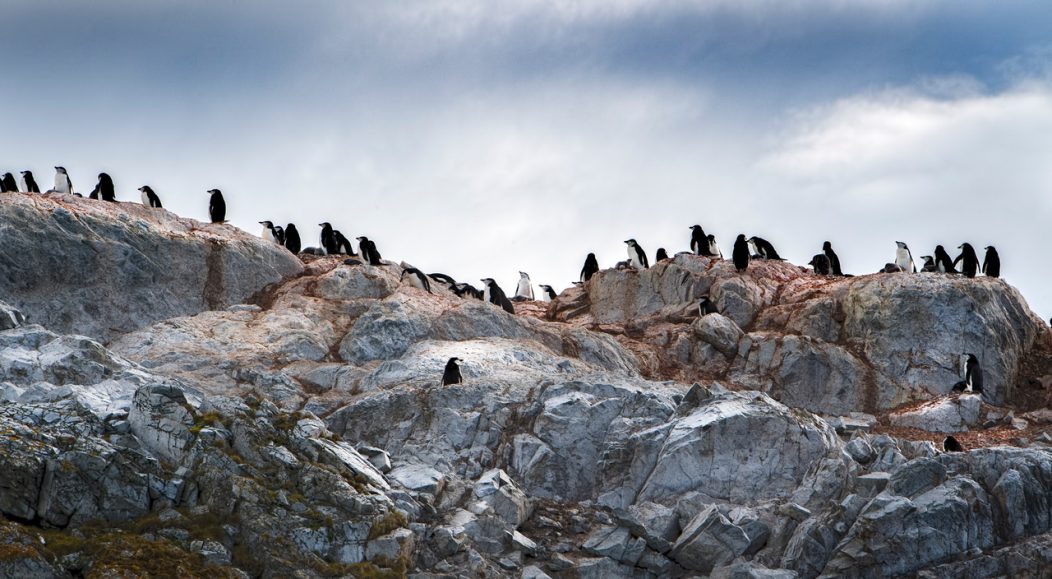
x=481, y=138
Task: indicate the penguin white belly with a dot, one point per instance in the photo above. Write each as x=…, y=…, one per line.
x=633, y=258
x=485, y=294
x=414, y=281
x=544, y=297
x=62, y=184
x=903, y=260
x=525, y=289
x=146, y=200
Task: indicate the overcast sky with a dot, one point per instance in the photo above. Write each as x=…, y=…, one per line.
x=483, y=138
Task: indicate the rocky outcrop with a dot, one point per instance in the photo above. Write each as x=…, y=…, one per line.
x=104, y=269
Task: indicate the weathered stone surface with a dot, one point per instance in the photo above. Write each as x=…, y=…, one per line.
x=708, y=541
x=719, y=331
x=102, y=269
x=161, y=419
x=496, y=489
x=954, y=414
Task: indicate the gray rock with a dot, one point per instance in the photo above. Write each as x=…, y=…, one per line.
x=160, y=418
x=657, y=524
x=496, y=489
x=955, y=414
x=719, y=331
x=419, y=478
x=617, y=543
x=394, y=546
x=708, y=541
x=102, y=269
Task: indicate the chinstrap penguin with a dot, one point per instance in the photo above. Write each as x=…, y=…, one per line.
x=991, y=263
x=494, y=295
x=368, y=251
x=417, y=279
x=451, y=375
x=547, y=293
x=903, y=258
x=834, y=259
x=328, y=242
x=740, y=255
x=820, y=264
x=699, y=241
x=524, y=291
x=216, y=206
x=31, y=183
x=973, y=376
x=968, y=260
x=268, y=232
x=636, y=256
x=149, y=198
x=951, y=445
x=292, y=238
x=63, y=184
x=706, y=307
x=104, y=189
x=591, y=267
x=8, y=184
x=943, y=263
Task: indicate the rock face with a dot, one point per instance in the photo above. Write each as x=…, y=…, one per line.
x=104, y=269
x=612, y=433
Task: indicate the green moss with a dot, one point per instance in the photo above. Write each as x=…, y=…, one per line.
x=207, y=420
x=286, y=422
x=389, y=522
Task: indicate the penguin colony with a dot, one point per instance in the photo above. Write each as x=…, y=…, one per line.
x=334, y=242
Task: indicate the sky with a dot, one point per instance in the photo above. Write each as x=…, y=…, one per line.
x=480, y=139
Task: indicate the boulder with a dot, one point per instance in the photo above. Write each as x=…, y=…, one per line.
x=708, y=541
x=955, y=414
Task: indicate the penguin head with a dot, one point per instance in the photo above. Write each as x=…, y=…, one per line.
x=546, y=287
x=104, y=177
x=966, y=247
x=740, y=238
x=928, y=260
x=325, y=224
x=267, y=224
x=694, y=228
x=60, y=169
x=631, y=242
x=290, y=227
x=901, y=245
x=144, y=189
x=972, y=359
x=524, y=275
x=214, y=191
x=711, y=237
x=990, y=249
x=25, y=173
x=939, y=249
x=827, y=246
x=488, y=281
x=279, y=229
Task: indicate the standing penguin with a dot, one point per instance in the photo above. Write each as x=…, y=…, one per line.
x=494, y=295
x=992, y=263
x=973, y=376
x=661, y=255
x=8, y=184
x=279, y=232
x=149, y=198
x=699, y=242
x=368, y=251
x=417, y=279
x=343, y=245
x=104, y=189
x=591, y=267
x=31, y=183
x=292, y=238
x=547, y=293
x=903, y=258
x=714, y=250
x=524, y=291
x=943, y=263
x=268, y=232
x=328, y=242
x=741, y=253
x=834, y=260
x=216, y=206
x=451, y=375
x=637, y=258
x=764, y=248
x=63, y=184
x=969, y=261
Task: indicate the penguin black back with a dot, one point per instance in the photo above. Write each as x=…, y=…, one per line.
x=699, y=242
x=764, y=248
x=328, y=242
x=943, y=263
x=216, y=206
x=992, y=263
x=591, y=267
x=8, y=184
x=451, y=375
x=292, y=238
x=741, y=253
x=548, y=291
x=342, y=244
x=834, y=259
x=149, y=198
x=441, y=277
x=497, y=295
x=969, y=261
x=820, y=264
x=418, y=278
x=661, y=255
x=279, y=233
x=951, y=445
x=973, y=374
x=31, y=183
x=368, y=251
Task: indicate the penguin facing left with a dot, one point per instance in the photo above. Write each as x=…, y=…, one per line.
x=104, y=189
x=992, y=263
x=741, y=253
x=31, y=183
x=268, y=232
x=368, y=250
x=764, y=248
x=714, y=250
x=494, y=295
x=524, y=291
x=149, y=198
x=929, y=264
x=292, y=238
x=451, y=375
x=637, y=258
x=343, y=245
x=8, y=184
x=547, y=294
x=969, y=261
x=417, y=279
x=216, y=206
